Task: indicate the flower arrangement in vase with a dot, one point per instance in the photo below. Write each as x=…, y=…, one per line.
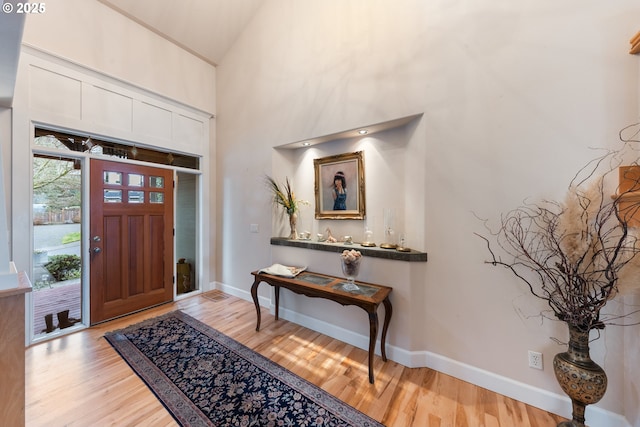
x=286, y=198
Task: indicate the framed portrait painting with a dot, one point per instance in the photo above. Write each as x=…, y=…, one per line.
x=339, y=186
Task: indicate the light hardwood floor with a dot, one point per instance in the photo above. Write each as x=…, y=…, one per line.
x=79, y=380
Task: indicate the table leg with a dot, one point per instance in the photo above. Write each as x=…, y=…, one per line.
x=277, y=295
x=388, y=311
x=373, y=334
x=254, y=295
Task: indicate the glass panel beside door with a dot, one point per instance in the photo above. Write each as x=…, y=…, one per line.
x=186, y=233
x=57, y=237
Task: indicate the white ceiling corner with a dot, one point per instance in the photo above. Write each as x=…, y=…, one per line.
x=206, y=28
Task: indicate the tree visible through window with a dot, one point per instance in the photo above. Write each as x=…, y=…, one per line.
x=56, y=191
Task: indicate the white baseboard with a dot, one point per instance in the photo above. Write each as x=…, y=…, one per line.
x=534, y=396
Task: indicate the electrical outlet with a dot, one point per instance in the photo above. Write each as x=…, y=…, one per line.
x=535, y=359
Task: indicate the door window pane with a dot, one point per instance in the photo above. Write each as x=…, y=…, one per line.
x=113, y=178
x=136, y=196
x=156, y=182
x=156, y=197
x=136, y=180
x=112, y=196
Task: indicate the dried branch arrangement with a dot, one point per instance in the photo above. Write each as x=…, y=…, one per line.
x=283, y=196
x=579, y=253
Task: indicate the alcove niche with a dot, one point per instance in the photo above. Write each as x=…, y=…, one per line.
x=395, y=178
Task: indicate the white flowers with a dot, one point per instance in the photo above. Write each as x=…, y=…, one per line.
x=349, y=256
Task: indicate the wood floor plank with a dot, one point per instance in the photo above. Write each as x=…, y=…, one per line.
x=79, y=380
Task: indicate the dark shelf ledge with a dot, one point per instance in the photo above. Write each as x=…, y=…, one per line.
x=375, y=252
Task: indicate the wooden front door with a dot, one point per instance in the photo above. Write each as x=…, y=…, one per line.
x=131, y=238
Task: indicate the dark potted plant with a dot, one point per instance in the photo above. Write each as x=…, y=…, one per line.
x=64, y=267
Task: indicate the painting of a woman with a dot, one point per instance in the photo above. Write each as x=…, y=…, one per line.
x=339, y=192
x=339, y=186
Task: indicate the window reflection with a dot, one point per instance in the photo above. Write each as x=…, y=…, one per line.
x=113, y=178
x=136, y=180
x=136, y=196
x=112, y=196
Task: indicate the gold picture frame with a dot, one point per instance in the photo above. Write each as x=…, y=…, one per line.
x=343, y=199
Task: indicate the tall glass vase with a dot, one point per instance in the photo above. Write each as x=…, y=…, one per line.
x=389, y=229
x=584, y=381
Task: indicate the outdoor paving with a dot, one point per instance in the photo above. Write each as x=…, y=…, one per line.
x=54, y=300
x=61, y=295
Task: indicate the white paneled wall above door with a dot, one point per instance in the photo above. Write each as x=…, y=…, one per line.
x=67, y=95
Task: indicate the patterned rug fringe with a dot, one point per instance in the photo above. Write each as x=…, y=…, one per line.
x=205, y=378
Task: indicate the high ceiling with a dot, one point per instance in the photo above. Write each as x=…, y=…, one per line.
x=206, y=28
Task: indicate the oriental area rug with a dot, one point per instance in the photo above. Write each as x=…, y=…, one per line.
x=205, y=378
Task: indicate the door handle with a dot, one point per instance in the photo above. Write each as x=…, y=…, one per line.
x=96, y=238
x=96, y=250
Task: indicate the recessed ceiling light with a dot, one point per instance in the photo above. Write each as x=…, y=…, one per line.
x=306, y=144
x=363, y=131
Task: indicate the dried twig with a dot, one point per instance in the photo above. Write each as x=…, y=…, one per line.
x=571, y=254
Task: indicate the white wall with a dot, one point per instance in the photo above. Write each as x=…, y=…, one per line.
x=89, y=33
x=514, y=95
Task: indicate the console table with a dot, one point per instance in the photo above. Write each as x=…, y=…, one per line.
x=368, y=297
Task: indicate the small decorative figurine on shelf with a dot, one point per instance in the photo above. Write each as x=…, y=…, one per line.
x=330, y=238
